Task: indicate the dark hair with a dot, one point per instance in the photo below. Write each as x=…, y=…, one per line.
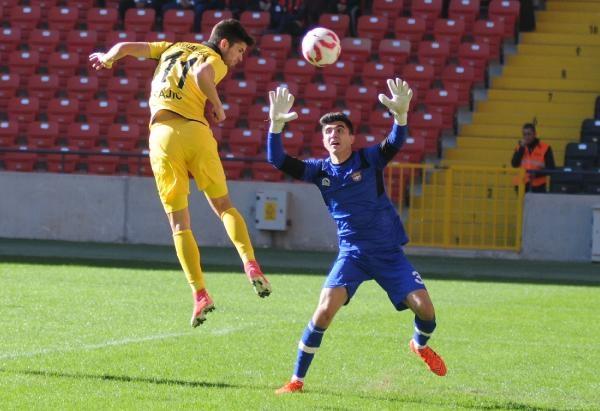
x=330, y=118
x=232, y=30
x=529, y=126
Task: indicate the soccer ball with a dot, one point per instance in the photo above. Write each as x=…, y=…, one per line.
x=321, y=47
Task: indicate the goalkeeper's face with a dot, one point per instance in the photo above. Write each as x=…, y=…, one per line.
x=337, y=138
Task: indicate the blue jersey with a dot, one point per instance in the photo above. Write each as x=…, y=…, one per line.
x=354, y=192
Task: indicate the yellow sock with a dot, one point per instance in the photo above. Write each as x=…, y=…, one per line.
x=189, y=258
x=238, y=233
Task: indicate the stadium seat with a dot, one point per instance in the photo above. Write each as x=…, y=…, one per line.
x=298, y=71
x=362, y=98
x=444, y=102
x=10, y=40
x=234, y=169
x=123, y=90
x=339, y=23
x=321, y=95
x=507, y=12
x=261, y=70
x=568, y=181
x=376, y=74
x=102, y=21
x=339, y=74
x=411, y=29
x=240, y=92
x=123, y=137
x=466, y=10
x=194, y=37
x=307, y=121
x=63, y=19
x=391, y=9
x=258, y=117
x=262, y=171
x=101, y=164
x=277, y=46
x=83, y=88
x=9, y=131
x=450, y=31
x=138, y=112
x=255, y=22
x=232, y=111
x=429, y=10
x=64, y=65
x=44, y=42
x=82, y=43
x=102, y=112
x=25, y=18
x=373, y=28
x=590, y=127
x=139, y=166
x=460, y=79
x=42, y=134
x=23, y=110
x=366, y=140
x=61, y=163
x=581, y=155
x=394, y=52
x=293, y=142
x=380, y=122
x=23, y=63
x=141, y=69
x=419, y=76
x=591, y=182
x=212, y=17
x=434, y=53
x=153, y=36
x=475, y=55
x=412, y=151
x=9, y=83
x=427, y=126
x=355, y=117
x=63, y=111
x=21, y=161
x=245, y=142
x=293, y=87
x=491, y=33
x=180, y=22
x=83, y=136
x=114, y=37
x=357, y=50
x=139, y=21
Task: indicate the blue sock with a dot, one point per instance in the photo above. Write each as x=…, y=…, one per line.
x=423, y=331
x=307, y=347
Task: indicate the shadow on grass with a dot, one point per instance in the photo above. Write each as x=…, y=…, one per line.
x=126, y=378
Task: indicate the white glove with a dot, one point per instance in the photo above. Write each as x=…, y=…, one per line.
x=281, y=102
x=398, y=105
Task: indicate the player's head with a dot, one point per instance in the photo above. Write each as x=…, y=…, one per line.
x=338, y=133
x=232, y=39
x=528, y=132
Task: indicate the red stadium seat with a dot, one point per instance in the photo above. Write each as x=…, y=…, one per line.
x=380, y=122
x=8, y=88
x=102, y=21
x=25, y=18
x=435, y=54
x=355, y=117
x=240, y=92
x=123, y=89
x=245, y=143
x=22, y=161
x=320, y=95
x=466, y=10
x=114, y=37
x=82, y=6
x=475, y=55
x=298, y=71
x=63, y=19
x=232, y=111
x=293, y=142
x=366, y=140
x=139, y=21
x=419, y=77
x=123, y=137
x=139, y=166
x=339, y=23
x=141, y=69
x=81, y=43
x=153, y=36
x=138, y=112
x=44, y=42
x=212, y=17
x=44, y=87
x=450, y=31
x=430, y=10
x=194, y=37
x=394, y=52
x=490, y=32
x=234, y=169
x=307, y=121
x=102, y=164
x=460, y=79
x=83, y=136
x=260, y=69
x=376, y=74
x=10, y=39
x=413, y=150
x=427, y=126
x=265, y=172
x=373, y=28
x=411, y=29
x=42, y=134
x=258, y=117
x=255, y=22
x=64, y=65
x=444, y=102
x=103, y=112
x=63, y=111
x=507, y=12
x=179, y=22
x=23, y=63
x=23, y=110
x=82, y=88
x=356, y=50
x=390, y=9
x=361, y=98
x=61, y=163
x=277, y=46
x=339, y=74
x=9, y=131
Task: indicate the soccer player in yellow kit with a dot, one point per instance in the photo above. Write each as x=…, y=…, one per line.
x=181, y=141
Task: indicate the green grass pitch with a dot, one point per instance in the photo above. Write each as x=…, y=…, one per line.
x=92, y=337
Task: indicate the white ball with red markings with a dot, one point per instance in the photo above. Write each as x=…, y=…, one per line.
x=321, y=47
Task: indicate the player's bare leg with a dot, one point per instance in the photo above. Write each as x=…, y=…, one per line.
x=238, y=233
x=420, y=303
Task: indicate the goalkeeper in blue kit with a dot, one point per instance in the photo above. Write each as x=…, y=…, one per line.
x=370, y=232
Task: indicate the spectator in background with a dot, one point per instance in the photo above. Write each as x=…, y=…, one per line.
x=287, y=16
x=352, y=9
x=199, y=7
x=124, y=5
x=532, y=154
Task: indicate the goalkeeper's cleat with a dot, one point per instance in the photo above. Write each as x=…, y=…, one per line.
x=257, y=278
x=290, y=387
x=431, y=358
x=202, y=304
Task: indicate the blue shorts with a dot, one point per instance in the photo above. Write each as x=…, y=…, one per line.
x=392, y=271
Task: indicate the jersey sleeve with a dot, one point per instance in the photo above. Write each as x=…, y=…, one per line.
x=381, y=154
x=157, y=48
x=218, y=66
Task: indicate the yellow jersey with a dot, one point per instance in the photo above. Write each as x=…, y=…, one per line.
x=174, y=85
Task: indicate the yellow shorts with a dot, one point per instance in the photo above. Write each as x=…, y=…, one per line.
x=179, y=146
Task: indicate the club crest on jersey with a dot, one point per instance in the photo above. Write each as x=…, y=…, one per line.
x=325, y=182
x=356, y=176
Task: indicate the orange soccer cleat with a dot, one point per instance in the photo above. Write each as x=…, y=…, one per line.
x=202, y=305
x=257, y=278
x=431, y=358
x=291, y=387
